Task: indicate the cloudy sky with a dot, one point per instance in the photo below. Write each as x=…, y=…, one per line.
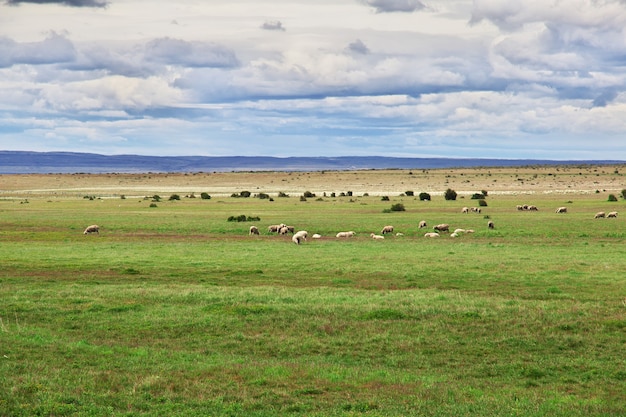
x=543, y=79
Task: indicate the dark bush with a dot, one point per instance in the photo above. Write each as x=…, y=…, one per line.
x=450, y=194
x=174, y=197
x=482, y=203
x=409, y=193
x=244, y=218
x=281, y=194
x=478, y=196
x=308, y=194
x=612, y=197
x=384, y=198
x=245, y=194
x=424, y=196
x=205, y=196
x=263, y=196
x=624, y=193
x=398, y=207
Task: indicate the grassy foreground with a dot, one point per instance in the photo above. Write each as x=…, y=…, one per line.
x=174, y=311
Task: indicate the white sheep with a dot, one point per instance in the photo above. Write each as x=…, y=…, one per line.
x=377, y=237
x=612, y=214
x=94, y=228
x=254, y=230
x=431, y=234
x=422, y=224
x=561, y=210
x=299, y=237
x=599, y=215
x=386, y=229
x=458, y=231
x=316, y=236
x=346, y=234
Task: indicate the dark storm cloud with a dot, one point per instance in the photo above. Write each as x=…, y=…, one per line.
x=273, y=25
x=193, y=54
x=387, y=6
x=71, y=3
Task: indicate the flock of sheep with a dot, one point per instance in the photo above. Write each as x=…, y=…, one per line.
x=301, y=236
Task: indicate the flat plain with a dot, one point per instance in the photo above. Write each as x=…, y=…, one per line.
x=172, y=309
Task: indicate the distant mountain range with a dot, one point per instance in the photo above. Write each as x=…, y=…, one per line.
x=23, y=162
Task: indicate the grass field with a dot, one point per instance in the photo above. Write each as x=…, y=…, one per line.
x=173, y=310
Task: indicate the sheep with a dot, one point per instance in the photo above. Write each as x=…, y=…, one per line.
x=254, y=230
x=561, y=210
x=399, y=234
x=476, y=209
x=346, y=234
x=533, y=208
x=275, y=228
x=458, y=231
x=465, y=210
x=386, y=229
x=612, y=214
x=317, y=236
x=454, y=234
x=599, y=215
x=376, y=237
x=285, y=229
x=299, y=237
x=431, y=234
x=490, y=224
x=469, y=231
x=422, y=224
x=94, y=228
x=443, y=227
x=520, y=207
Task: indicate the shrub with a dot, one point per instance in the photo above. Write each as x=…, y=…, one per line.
x=409, y=193
x=612, y=197
x=302, y=198
x=384, y=198
x=424, y=196
x=152, y=205
x=478, y=196
x=174, y=197
x=156, y=198
x=398, y=207
x=263, y=196
x=624, y=193
x=245, y=194
x=205, y=196
x=482, y=203
x=450, y=194
x=308, y=194
x=244, y=218
x=281, y=194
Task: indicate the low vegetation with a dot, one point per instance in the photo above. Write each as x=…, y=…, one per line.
x=177, y=311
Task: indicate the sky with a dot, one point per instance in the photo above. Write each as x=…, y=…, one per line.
x=539, y=79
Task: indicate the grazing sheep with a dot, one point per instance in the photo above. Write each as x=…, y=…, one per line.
x=386, y=229
x=561, y=210
x=599, y=215
x=254, y=230
x=520, y=207
x=346, y=234
x=612, y=214
x=94, y=228
x=316, y=236
x=476, y=209
x=275, y=228
x=422, y=224
x=469, y=231
x=490, y=224
x=431, y=234
x=533, y=208
x=299, y=237
x=377, y=237
x=443, y=227
x=399, y=234
x=283, y=230
x=465, y=210
x=457, y=231
x=454, y=234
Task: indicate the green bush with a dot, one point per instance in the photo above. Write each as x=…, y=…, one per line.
x=624, y=193
x=478, y=196
x=450, y=194
x=409, y=193
x=174, y=197
x=308, y=194
x=398, y=207
x=424, y=197
x=482, y=203
x=205, y=196
x=244, y=218
x=263, y=196
x=385, y=198
x=612, y=197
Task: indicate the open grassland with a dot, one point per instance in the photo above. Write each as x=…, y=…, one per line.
x=173, y=310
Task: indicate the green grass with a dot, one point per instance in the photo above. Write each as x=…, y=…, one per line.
x=175, y=311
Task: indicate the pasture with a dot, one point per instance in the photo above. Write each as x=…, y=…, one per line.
x=174, y=310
